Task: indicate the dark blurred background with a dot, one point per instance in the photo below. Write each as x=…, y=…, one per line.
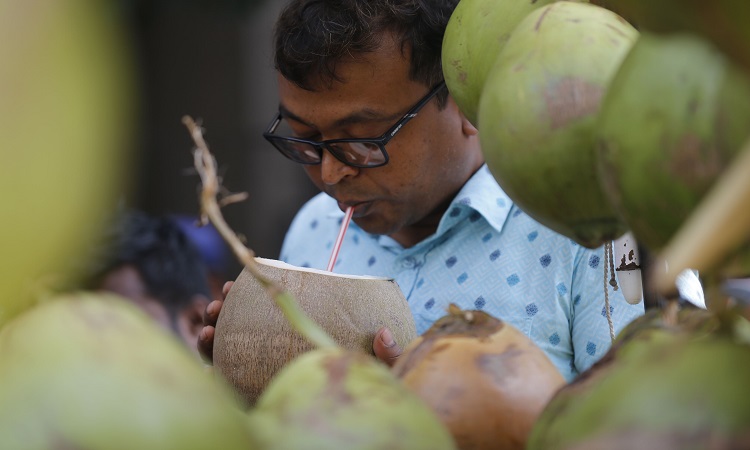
x=211, y=60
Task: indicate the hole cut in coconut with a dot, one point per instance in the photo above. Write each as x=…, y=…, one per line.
x=282, y=265
x=253, y=340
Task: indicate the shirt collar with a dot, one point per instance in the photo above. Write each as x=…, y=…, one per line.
x=481, y=196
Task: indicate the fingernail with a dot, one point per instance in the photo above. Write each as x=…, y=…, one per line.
x=211, y=308
x=387, y=338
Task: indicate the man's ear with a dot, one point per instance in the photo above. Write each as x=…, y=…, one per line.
x=468, y=128
x=190, y=321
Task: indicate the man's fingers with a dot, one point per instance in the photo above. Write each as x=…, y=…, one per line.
x=206, y=344
x=385, y=347
x=211, y=314
x=225, y=289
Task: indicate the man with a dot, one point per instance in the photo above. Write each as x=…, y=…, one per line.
x=363, y=106
x=151, y=262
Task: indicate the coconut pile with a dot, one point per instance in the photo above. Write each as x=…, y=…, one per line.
x=597, y=119
x=609, y=117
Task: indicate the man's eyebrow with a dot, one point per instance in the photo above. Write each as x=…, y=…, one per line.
x=290, y=115
x=363, y=115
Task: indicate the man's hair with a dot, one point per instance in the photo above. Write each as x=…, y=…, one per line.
x=169, y=264
x=312, y=36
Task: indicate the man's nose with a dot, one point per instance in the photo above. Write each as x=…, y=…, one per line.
x=332, y=170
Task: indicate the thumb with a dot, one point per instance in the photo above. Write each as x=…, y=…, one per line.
x=385, y=347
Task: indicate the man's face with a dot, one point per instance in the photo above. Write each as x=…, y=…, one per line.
x=431, y=157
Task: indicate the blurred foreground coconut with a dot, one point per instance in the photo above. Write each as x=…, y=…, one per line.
x=670, y=381
x=538, y=114
x=92, y=371
x=253, y=340
x=484, y=379
x=65, y=119
x=333, y=398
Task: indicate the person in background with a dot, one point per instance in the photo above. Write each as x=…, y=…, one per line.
x=153, y=263
x=365, y=110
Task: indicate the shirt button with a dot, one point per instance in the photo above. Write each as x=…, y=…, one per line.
x=409, y=262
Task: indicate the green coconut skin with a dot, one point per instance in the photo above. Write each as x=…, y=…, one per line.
x=676, y=115
x=476, y=33
x=666, y=387
x=90, y=371
x=67, y=108
x=538, y=114
x=722, y=22
x=333, y=398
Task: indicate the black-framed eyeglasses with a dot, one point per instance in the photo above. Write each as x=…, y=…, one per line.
x=363, y=153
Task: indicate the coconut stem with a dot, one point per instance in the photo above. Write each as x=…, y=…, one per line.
x=205, y=164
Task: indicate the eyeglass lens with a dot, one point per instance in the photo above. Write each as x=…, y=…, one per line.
x=357, y=153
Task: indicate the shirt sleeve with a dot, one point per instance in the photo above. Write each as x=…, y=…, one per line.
x=590, y=329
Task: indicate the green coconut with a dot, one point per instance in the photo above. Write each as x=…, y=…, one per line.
x=723, y=22
x=667, y=386
x=476, y=33
x=66, y=85
x=91, y=371
x=332, y=398
x=676, y=115
x=539, y=110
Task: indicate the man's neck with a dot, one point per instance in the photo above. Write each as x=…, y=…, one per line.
x=411, y=235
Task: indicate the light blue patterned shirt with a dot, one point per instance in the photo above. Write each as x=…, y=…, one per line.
x=488, y=255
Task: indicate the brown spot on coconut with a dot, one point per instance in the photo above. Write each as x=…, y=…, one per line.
x=569, y=99
x=485, y=379
x=253, y=340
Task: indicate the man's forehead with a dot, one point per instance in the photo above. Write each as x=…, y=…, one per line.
x=340, y=104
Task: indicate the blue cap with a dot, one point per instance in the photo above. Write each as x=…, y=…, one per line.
x=207, y=240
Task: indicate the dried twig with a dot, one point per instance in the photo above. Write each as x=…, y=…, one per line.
x=205, y=164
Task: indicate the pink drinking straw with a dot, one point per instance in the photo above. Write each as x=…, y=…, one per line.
x=340, y=238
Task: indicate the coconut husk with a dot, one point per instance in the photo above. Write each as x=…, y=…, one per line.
x=253, y=340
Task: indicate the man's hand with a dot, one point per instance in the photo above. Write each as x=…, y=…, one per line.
x=210, y=316
x=385, y=348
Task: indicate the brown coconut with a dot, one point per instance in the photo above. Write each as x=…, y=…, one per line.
x=253, y=340
x=487, y=381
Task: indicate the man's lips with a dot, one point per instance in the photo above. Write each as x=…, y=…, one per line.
x=359, y=207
